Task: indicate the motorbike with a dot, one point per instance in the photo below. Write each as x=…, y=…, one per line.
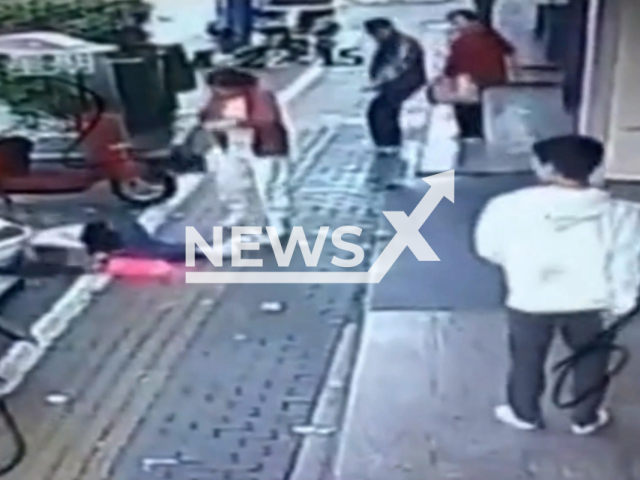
x=47, y=149
x=280, y=44
x=133, y=176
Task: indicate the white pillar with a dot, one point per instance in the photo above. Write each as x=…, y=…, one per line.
x=611, y=109
x=591, y=64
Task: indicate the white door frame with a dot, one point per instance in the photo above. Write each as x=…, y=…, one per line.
x=589, y=71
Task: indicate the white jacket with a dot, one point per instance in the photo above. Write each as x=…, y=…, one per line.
x=563, y=250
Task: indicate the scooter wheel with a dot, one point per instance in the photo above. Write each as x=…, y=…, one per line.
x=144, y=193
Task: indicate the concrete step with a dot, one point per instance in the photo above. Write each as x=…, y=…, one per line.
x=518, y=115
x=540, y=75
x=515, y=117
x=479, y=158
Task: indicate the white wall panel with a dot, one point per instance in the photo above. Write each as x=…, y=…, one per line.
x=624, y=125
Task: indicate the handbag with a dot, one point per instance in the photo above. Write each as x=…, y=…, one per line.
x=454, y=90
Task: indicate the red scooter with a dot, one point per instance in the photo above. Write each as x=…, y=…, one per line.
x=93, y=157
x=96, y=148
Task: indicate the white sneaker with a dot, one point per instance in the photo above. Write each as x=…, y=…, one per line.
x=506, y=415
x=603, y=420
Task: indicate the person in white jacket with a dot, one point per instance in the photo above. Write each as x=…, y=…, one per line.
x=570, y=255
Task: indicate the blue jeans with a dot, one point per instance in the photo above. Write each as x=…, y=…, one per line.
x=138, y=243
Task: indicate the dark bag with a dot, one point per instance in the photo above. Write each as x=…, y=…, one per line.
x=189, y=155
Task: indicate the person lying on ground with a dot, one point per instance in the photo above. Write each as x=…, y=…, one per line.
x=103, y=241
x=94, y=244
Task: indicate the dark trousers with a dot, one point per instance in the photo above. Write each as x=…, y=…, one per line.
x=383, y=118
x=485, y=10
x=530, y=336
x=138, y=243
x=469, y=120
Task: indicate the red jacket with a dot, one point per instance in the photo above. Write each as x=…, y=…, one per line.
x=481, y=53
x=264, y=117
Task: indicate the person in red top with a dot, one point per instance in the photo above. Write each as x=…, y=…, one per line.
x=238, y=100
x=484, y=55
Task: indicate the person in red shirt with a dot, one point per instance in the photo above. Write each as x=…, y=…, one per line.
x=482, y=54
x=238, y=100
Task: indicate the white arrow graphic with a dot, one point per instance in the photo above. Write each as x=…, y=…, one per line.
x=408, y=228
x=407, y=236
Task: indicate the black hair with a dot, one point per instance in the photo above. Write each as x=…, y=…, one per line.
x=575, y=157
x=99, y=237
x=228, y=77
x=467, y=14
x=374, y=25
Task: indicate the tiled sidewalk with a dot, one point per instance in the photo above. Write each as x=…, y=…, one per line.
x=26, y=307
x=199, y=376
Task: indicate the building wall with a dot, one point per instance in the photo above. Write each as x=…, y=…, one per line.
x=611, y=110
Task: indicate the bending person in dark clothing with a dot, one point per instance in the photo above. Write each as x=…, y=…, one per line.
x=397, y=71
